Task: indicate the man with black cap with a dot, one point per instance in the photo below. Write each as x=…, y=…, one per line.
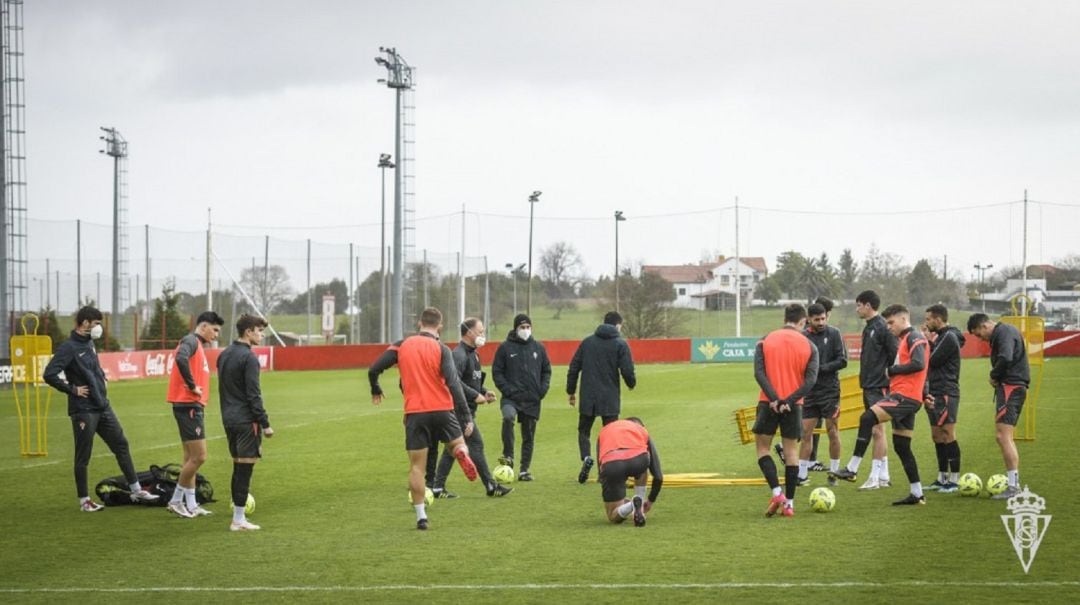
x=522, y=374
x=599, y=359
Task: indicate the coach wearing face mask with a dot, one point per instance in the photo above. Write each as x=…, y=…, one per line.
x=522, y=374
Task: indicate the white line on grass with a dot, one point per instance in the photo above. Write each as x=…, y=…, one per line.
x=472, y=587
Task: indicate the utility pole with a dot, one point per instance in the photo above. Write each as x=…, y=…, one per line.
x=535, y=197
x=116, y=148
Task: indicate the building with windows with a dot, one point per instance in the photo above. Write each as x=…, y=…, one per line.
x=711, y=285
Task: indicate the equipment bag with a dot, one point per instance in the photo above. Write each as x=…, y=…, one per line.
x=159, y=480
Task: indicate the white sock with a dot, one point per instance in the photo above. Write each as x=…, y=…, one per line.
x=834, y=464
x=884, y=469
x=803, y=465
x=875, y=469
x=639, y=490
x=238, y=515
x=135, y=487
x=177, y=495
x=776, y=491
x=189, y=498
x=84, y=499
x=625, y=509
x=420, y=512
x=916, y=489
x=954, y=477
x=790, y=504
x=942, y=477
x=1014, y=478
x=853, y=464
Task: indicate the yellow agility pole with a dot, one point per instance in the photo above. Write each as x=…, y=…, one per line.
x=30, y=354
x=1032, y=328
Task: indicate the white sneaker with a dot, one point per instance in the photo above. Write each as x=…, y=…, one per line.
x=144, y=496
x=885, y=483
x=89, y=506
x=179, y=509
x=870, y=484
x=243, y=526
x=199, y=511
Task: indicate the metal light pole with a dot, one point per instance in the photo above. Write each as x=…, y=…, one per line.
x=618, y=219
x=535, y=197
x=116, y=148
x=399, y=78
x=384, y=163
x=982, y=273
x=513, y=276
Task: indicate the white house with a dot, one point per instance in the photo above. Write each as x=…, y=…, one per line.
x=711, y=285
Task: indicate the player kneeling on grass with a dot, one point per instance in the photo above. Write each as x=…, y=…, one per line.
x=625, y=450
x=433, y=395
x=242, y=411
x=907, y=390
x=785, y=367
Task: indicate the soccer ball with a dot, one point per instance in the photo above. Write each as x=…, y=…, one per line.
x=429, y=496
x=997, y=484
x=822, y=500
x=970, y=485
x=249, y=506
x=503, y=474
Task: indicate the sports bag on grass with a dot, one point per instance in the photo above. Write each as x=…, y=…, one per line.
x=159, y=480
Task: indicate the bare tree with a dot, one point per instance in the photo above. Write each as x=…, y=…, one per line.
x=267, y=286
x=560, y=270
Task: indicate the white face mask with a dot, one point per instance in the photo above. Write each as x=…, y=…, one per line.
x=479, y=341
x=96, y=332
x=524, y=333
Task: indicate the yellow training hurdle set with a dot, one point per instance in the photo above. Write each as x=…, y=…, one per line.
x=30, y=353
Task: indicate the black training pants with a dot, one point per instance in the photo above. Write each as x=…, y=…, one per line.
x=85, y=425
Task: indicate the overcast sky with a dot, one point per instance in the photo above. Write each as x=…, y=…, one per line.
x=819, y=116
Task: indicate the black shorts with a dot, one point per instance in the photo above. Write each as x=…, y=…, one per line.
x=901, y=409
x=873, y=395
x=190, y=421
x=826, y=407
x=789, y=423
x=425, y=429
x=245, y=440
x=1009, y=401
x=613, y=475
x=943, y=411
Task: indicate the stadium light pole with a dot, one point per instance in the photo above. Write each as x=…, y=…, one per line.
x=398, y=78
x=513, y=276
x=618, y=219
x=116, y=148
x=384, y=163
x=982, y=273
x=535, y=197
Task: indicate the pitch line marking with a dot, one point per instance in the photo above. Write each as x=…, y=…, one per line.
x=472, y=587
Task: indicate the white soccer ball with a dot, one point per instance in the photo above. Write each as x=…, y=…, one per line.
x=822, y=500
x=503, y=474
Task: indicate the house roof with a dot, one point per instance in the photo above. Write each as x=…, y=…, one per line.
x=682, y=274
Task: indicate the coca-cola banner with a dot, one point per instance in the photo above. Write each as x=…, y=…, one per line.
x=151, y=364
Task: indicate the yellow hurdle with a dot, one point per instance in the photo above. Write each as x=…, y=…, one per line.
x=30, y=353
x=1032, y=328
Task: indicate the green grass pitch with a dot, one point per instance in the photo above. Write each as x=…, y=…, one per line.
x=331, y=496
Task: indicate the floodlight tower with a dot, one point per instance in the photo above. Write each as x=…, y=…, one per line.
x=116, y=147
x=399, y=78
x=13, y=255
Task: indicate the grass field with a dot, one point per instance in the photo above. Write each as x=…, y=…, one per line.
x=331, y=496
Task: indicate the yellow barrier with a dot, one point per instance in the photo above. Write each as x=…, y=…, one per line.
x=1033, y=330
x=30, y=354
x=851, y=407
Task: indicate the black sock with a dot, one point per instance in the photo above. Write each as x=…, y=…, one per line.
x=791, y=480
x=768, y=468
x=902, y=446
x=867, y=422
x=942, y=456
x=241, y=482
x=954, y=457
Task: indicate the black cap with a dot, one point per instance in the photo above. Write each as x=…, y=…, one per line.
x=521, y=318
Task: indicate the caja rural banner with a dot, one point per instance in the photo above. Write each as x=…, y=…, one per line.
x=722, y=350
